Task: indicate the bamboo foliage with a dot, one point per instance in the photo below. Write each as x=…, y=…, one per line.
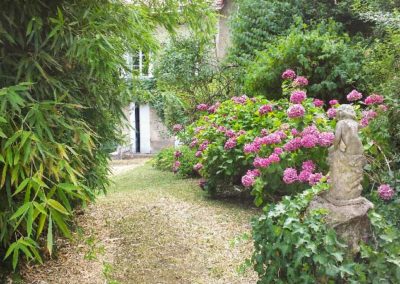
x=61, y=98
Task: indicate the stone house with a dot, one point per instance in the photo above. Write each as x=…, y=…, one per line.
x=146, y=133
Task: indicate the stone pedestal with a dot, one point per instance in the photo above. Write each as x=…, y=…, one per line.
x=348, y=217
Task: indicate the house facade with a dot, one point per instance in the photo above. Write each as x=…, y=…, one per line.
x=146, y=134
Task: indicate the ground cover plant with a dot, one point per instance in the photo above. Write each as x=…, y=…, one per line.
x=293, y=246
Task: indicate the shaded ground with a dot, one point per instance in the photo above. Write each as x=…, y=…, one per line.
x=153, y=228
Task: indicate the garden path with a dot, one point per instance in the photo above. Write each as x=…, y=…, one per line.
x=152, y=228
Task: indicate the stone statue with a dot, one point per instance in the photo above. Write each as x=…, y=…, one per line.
x=347, y=209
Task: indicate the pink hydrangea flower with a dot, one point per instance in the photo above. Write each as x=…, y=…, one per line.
x=331, y=112
x=198, y=154
x=265, y=109
x=281, y=134
x=203, y=146
x=288, y=74
x=308, y=166
x=354, y=96
x=177, y=154
x=221, y=129
x=290, y=176
x=255, y=172
x=318, y=103
x=193, y=143
x=309, y=141
x=274, y=158
x=300, y=81
x=296, y=111
x=304, y=176
x=325, y=139
x=364, y=122
x=294, y=132
x=293, y=144
x=261, y=162
x=278, y=150
x=310, y=130
x=314, y=178
x=214, y=107
x=369, y=114
x=251, y=148
x=198, y=167
x=248, y=180
x=272, y=138
x=386, y=192
x=240, y=100
x=241, y=132
x=176, y=166
x=373, y=99
x=383, y=107
x=297, y=97
x=202, y=107
x=231, y=143
x=177, y=127
x=333, y=102
x=230, y=133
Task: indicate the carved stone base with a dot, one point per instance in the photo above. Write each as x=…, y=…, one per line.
x=348, y=217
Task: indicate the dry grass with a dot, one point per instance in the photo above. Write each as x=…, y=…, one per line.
x=153, y=228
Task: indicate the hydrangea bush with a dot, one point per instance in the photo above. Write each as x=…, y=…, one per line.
x=270, y=147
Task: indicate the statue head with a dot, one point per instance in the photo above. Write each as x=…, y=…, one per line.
x=346, y=111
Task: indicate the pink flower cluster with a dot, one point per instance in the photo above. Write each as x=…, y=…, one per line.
x=202, y=107
x=177, y=154
x=300, y=81
x=386, y=192
x=240, y=100
x=310, y=137
x=373, y=99
x=333, y=102
x=296, y=110
x=214, y=107
x=354, y=96
x=203, y=146
x=367, y=116
x=177, y=127
x=265, y=109
x=288, y=74
x=297, y=97
x=250, y=177
x=193, y=143
x=231, y=143
x=331, y=112
x=198, y=167
x=306, y=174
x=265, y=162
x=318, y=103
x=176, y=166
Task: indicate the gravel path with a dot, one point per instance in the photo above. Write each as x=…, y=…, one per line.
x=153, y=228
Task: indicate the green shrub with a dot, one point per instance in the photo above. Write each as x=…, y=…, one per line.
x=238, y=138
x=166, y=160
x=294, y=247
x=332, y=62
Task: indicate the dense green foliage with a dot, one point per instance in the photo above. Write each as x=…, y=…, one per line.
x=292, y=246
x=332, y=62
x=61, y=94
x=186, y=74
x=256, y=23
x=166, y=159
